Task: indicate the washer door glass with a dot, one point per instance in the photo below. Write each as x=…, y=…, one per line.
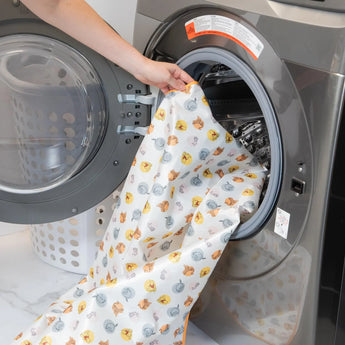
x=53, y=113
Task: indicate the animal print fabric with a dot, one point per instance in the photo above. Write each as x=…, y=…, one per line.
x=189, y=185
x=269, y=307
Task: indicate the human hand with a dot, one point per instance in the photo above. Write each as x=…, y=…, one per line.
x=166, y=76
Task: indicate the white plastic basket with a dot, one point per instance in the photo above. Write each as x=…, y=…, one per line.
x=71, y=244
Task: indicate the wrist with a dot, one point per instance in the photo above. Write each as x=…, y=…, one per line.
x=139, y=66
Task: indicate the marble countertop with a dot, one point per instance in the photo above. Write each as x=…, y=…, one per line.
x=28, y=285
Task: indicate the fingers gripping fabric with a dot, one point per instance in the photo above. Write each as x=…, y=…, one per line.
x=185, y=194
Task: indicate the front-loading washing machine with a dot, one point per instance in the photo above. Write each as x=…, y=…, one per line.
x=277, y=66
x=273, y=73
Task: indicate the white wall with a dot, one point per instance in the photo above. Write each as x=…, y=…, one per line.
x=119, y=14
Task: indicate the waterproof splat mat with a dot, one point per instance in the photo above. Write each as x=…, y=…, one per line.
x=188, y=188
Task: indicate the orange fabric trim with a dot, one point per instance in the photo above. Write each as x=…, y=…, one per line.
x=187, y=86
x=185, y=330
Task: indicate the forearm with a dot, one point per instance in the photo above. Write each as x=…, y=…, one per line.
x=79, y=20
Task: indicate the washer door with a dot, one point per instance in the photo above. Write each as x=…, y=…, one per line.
x=68, y=115
x=55, y=113
x=252, y=95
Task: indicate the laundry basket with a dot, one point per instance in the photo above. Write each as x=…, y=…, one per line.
x=71, y=244
x=58, y=115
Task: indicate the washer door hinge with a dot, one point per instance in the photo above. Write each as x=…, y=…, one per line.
x=131, y=130
x=133, y=98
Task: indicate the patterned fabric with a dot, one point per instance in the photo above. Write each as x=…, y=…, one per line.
x=185, y=194
x=268, y=307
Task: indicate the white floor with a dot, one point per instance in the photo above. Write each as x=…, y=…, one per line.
x=28, y=286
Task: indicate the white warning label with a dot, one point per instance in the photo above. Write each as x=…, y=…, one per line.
x=227, y=27
x=282, y=223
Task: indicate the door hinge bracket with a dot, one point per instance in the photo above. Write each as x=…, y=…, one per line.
x=132, y=98
x=131, y=130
